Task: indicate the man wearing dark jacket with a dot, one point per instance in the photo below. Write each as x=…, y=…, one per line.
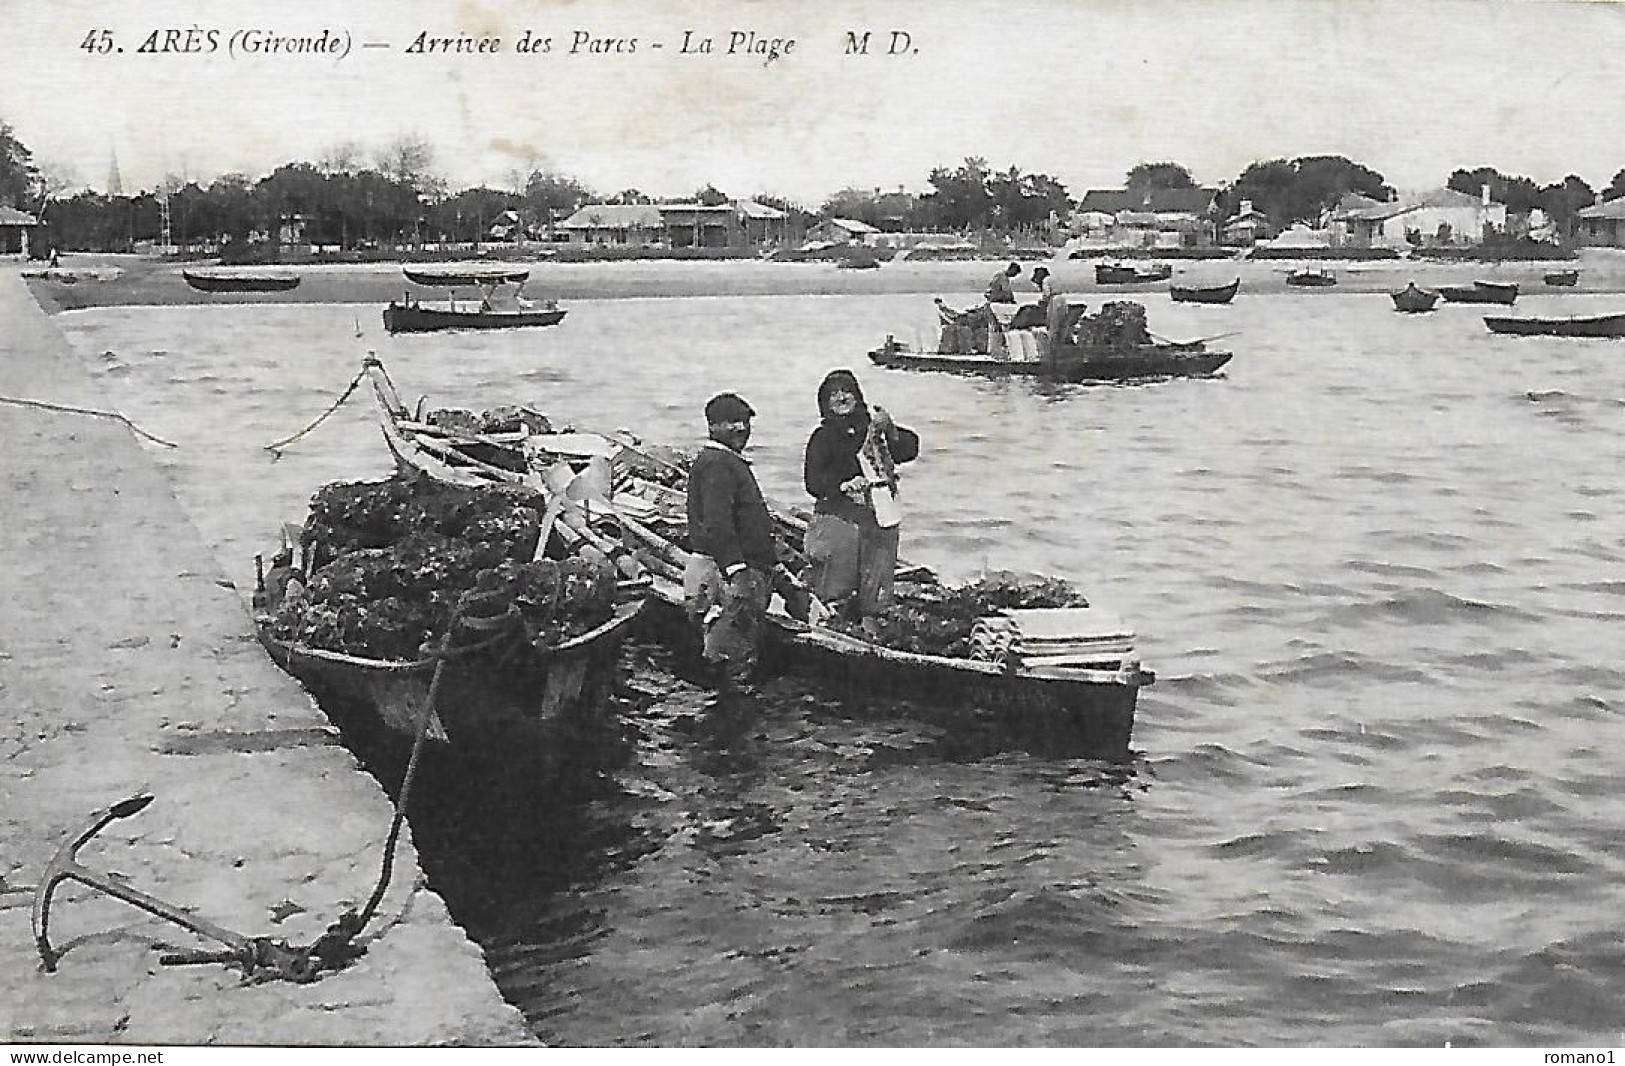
x=733, y=559
x=850, y=471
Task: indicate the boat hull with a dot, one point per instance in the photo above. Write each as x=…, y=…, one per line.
x=240, y=282
x=415, y=318
x=1110, y=274
x=1414, y=301
x=482, y=699
x=1600, y=326
x=1090, y=717
x=1311, y=281
x=1220, y=294
x=1504, y=295
x=1075, y=367
x=451, y=278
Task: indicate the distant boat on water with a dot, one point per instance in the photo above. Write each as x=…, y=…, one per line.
x=1573, y=326
x=1413, y=300
x=240, y=281
x=1311, y=278
x=1211, y=294
x=1480, y=292
x=1124, y=274
x=496, y=309
x=1562, y=279
x=475, y=276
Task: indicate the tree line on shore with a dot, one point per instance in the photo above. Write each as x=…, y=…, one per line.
x=398, y=200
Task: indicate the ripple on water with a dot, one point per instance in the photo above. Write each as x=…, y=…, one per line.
x=1373, y=802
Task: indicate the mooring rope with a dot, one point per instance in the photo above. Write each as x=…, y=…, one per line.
x=275, y=447
x=444, y=653
x=72, y=410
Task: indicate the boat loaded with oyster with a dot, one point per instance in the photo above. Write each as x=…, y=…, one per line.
x=1029, y=658
x=998, y=341
x=410, y=603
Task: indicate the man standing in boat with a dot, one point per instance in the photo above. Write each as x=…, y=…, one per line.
x=851, y=473
x=733, y=562
x=998, y=290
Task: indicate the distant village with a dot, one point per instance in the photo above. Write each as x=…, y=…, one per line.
x=1310, y=206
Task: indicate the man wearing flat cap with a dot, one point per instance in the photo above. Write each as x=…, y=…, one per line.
x=733, y=561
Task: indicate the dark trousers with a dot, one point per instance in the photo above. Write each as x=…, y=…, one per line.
x=729, y=615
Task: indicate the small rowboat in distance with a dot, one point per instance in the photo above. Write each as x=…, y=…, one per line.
x=1413, y=300
x=1480, y=292
x=1123, y=274
x=239, y=281
x=1309, y=278
x=1561, y=279
x=1575, y=326
x=1213, y=294
x=475, y=276
x=496, y=309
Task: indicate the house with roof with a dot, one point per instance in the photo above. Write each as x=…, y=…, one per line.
x=635, y=225
x=1246, y=227
x=843, y=231
x=507, y=227
x=16, y=231
x=739, y=224
x=762, y=224
x=1439, y=216
x=1602, y=224
x=1160, y=218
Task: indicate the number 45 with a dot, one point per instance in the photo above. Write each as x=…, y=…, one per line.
x=98, y=42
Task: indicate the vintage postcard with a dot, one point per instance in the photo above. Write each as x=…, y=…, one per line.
x=962, y=524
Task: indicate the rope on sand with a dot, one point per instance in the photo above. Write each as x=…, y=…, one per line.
x=275, y=447
x=72, y=410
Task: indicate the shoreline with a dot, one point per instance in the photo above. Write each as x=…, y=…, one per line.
x=131, y=668
x=140, y=282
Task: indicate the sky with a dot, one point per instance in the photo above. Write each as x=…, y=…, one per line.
x=1079, y=89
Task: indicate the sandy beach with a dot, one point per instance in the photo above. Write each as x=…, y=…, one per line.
x=138, y=281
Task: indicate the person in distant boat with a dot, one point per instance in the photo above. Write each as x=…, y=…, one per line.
x=850, y=471
x=733, y=562
x=1035, y=314
x=998, y=290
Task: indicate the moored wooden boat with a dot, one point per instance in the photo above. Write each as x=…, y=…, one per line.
x=1571, y=326
x=1413, y=300
x=1125, y=274
x=1151, y=362
x=1561, y=279
x=1310, y=278
x=240, y=281
x=1084, y=709
x=415, y=316
x=1204, y=294
x=1481, y=292
x=475, y=276
x=492, y=694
